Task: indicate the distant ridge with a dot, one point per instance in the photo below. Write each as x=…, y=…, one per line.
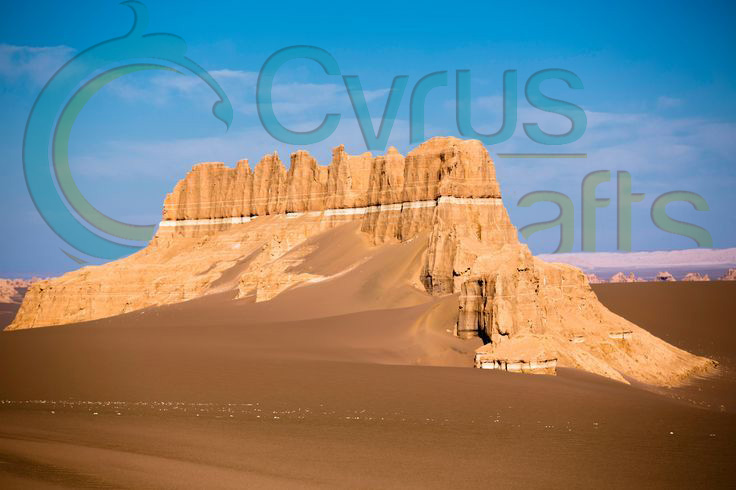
x=695, y=257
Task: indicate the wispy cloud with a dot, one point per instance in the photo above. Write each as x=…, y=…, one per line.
x=662, y=153
x=172, y=158
x=31, y=64
x=297, y=100
x=665, y=102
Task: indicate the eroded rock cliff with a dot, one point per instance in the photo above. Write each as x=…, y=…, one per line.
x=233, y=229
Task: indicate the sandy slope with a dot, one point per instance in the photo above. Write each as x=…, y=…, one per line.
x=698, y=319
x=328, y=386
x=7, y=312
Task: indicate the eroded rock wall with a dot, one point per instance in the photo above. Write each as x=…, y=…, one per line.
x=233, y=229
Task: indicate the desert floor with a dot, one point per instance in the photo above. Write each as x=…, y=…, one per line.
x=219, y=393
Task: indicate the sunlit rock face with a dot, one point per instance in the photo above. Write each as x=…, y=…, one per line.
x=244, y=230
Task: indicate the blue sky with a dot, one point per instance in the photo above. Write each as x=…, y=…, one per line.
x=658, y=92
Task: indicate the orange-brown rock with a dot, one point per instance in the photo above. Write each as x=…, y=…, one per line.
x=253, y=232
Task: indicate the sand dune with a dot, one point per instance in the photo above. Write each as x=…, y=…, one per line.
x=697, y=317
x=223, y=394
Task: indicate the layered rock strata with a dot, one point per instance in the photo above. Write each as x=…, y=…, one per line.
x=241, y=229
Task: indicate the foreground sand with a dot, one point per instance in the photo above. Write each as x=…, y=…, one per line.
x=215, y=393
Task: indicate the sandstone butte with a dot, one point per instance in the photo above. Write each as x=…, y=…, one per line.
x=252, y=232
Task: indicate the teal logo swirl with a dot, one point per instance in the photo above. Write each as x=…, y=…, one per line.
x=46, y=140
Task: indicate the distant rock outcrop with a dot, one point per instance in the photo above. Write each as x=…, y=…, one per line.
x=233, y=229
x=620, y=277
x=13, y=290
x=664, y=277
x=728, y=276
x=593, y=279
x=695, y=277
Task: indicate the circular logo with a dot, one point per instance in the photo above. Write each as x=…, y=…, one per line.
x=46, y=140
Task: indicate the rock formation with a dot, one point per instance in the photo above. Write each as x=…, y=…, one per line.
x=593, y=279
x=248, y=231
x=664, y=277
x=728, y=276
x=695, y=277
x=620, y=277
x=13, y=290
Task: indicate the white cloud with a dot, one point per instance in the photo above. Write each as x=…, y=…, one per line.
x=292, y=100
x=174, y=157
x=34, y=64
x=665, y=102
